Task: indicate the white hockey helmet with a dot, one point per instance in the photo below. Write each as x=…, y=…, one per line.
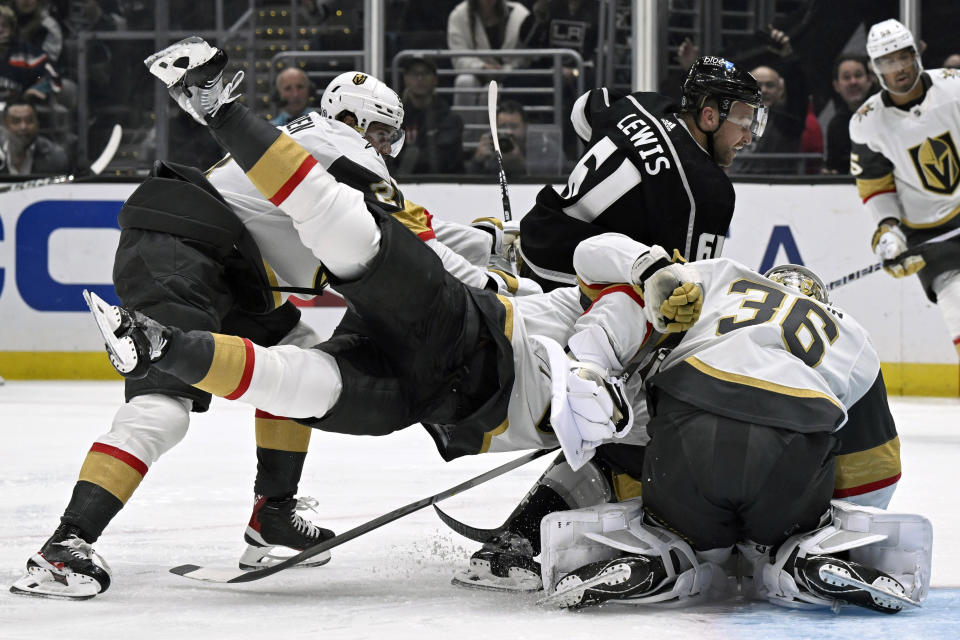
x=887, y=37
x=800, y=278
x=369, y=100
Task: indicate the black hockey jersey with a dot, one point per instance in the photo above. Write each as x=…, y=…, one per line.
x=642, y=175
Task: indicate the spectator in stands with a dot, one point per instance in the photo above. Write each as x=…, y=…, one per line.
x=25, y=151
x=512, y=132
x=853, y=83
x=784, y=89
x=38, y=27
x=482, y=24
x=565, y=24
x=24, y=69
x=294, y=92
x=433, y=133
x=952, y=61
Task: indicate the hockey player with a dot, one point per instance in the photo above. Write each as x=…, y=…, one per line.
x=466, y=362
x=651, y=171
x=745, y=411
x=654, y=173
x=904, y=157
x=185, y=257
x=427, y=349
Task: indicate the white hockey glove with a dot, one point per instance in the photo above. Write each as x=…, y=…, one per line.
x=510, y=285
x=506, y=237
x=671, y=292
x=588, y=405
x=889, y=244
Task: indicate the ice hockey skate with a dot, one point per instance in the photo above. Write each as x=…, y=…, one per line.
x=852, y=583
x=132, y=340
x=618, y=579
x=276, y=532
x=192, y=70
x=66, y=567
x=503, y=564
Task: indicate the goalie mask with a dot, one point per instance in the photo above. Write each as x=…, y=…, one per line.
x=885, y=39
x=719, y=79
x=799, y=278
x=370, y=101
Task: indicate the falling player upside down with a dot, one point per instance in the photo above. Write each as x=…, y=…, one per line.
x=482, y=372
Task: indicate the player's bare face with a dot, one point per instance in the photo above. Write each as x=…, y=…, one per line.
x=898, y=69
x=381, y=137
x=733, y=134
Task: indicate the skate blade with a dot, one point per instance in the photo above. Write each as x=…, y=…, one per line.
x=254, y=558
x=42, y=584
x=878, y=593
x=520, y=584
x=115, y=346
x=167, y=64
x=560, y=598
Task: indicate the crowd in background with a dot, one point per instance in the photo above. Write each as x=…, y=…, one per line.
x=444, y=97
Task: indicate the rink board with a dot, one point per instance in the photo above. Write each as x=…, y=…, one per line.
x=57, y=240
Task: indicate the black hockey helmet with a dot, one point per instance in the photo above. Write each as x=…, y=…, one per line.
x=718, y=78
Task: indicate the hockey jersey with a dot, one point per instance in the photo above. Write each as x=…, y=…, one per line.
x=349, y=158
x=905, y=159
x=642, y=175
x=761, y=353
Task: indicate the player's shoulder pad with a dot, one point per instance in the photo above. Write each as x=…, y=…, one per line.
x=655, y=102
x=589, y=107
x=948, y=79
x=867, y=117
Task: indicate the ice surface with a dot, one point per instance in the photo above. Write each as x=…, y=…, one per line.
x=392, y=583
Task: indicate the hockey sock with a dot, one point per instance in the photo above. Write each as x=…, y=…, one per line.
x=328, y=216
x=281, y=452
x=282, y=380
x=91, y=506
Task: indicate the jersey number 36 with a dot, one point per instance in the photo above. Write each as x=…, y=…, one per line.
x=806, y=327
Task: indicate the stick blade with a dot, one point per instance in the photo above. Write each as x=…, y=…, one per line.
x=492, y=90
x=109, y=151
x=471, y=533
x=208, y=574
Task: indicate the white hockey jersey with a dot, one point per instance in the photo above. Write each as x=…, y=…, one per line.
x=349, y=158
x=760, y=352
x=905, y=160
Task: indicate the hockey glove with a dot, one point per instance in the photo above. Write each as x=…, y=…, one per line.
x=890, y=245
x=505, y=238
x=588, y=405
x=672, y=294
x=597, y=402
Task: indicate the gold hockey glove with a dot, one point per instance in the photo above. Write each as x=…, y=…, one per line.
x=890, y=245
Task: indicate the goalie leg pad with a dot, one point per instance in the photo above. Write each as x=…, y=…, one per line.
x=897, y=545
x=573, y=539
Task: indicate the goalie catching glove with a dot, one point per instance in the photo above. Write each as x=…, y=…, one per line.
x=890, y=245
x=671, y=292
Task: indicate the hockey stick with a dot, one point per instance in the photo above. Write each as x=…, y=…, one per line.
x=878, y=266
x=212, y=574
x=470, y=533
x=96, y=168
x=501, y=175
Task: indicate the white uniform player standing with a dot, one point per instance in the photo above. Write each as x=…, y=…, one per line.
x=904, y=156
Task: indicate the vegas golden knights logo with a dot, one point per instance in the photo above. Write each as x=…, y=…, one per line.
x=359, y=78
x=937, y=163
